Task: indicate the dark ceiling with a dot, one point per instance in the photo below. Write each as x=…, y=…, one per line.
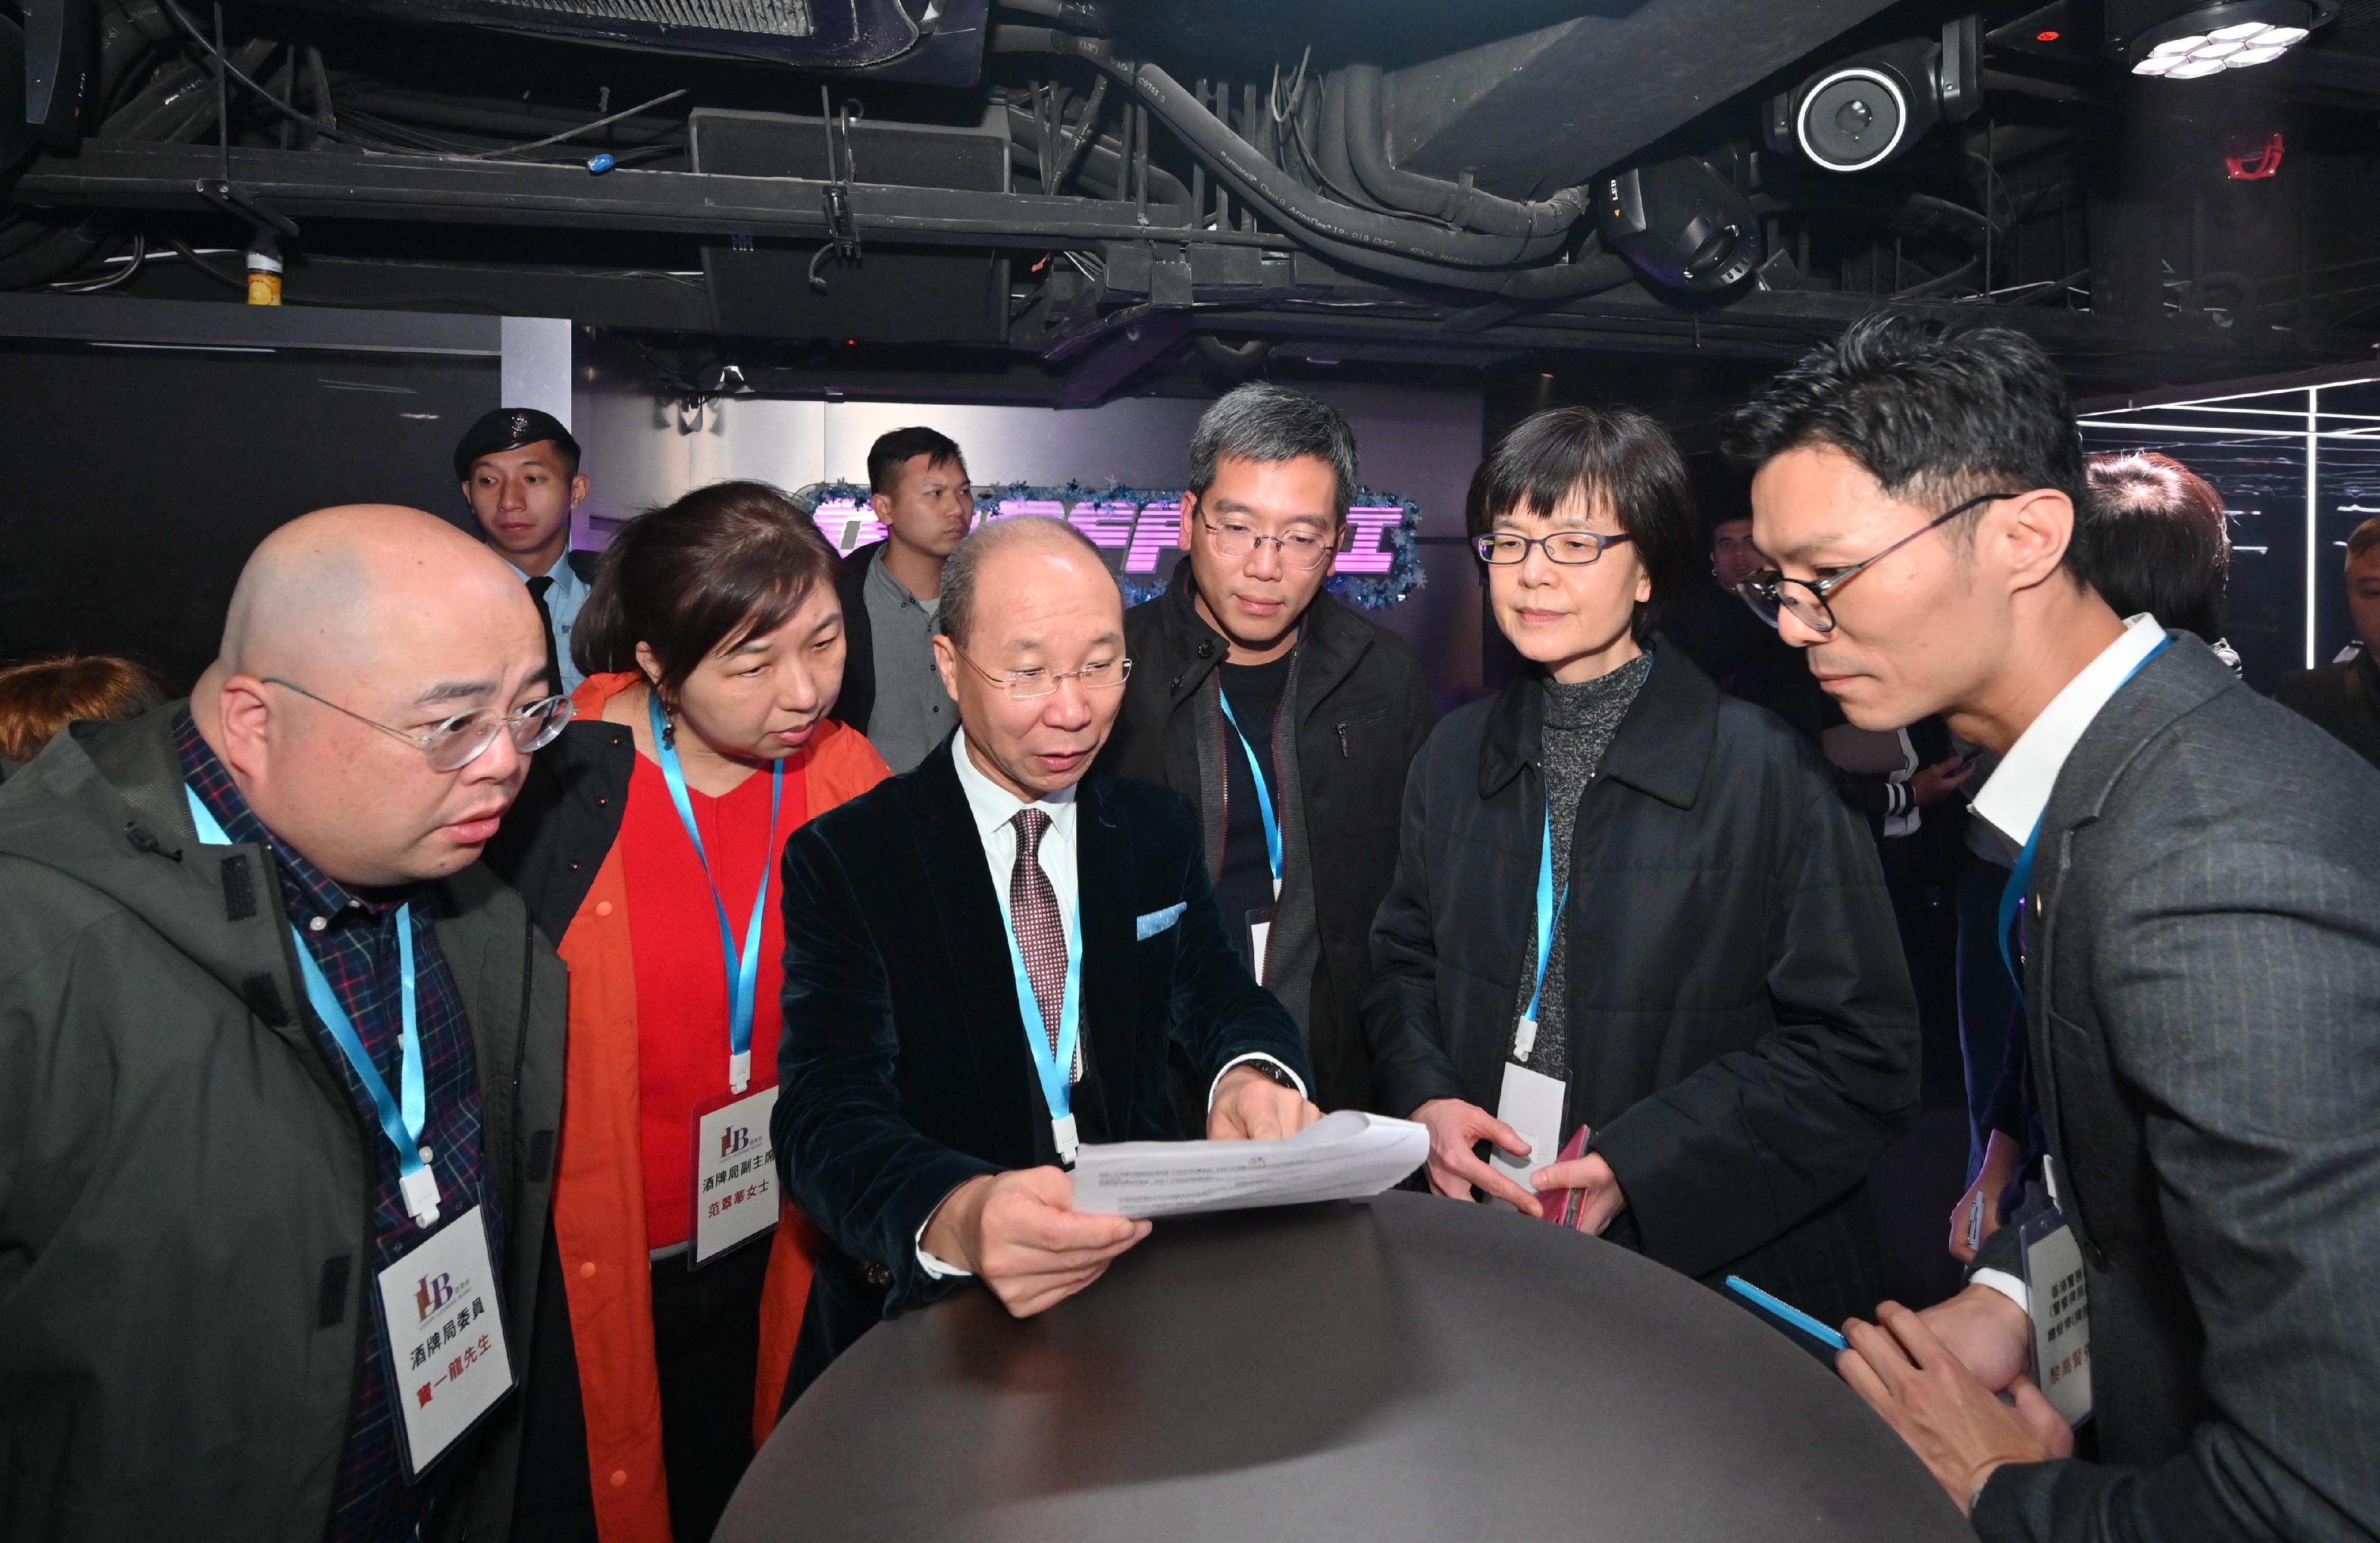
x=1056, y=200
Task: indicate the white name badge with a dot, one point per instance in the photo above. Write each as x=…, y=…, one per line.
x=735, y=1190
x=448, y=1364
x=2062, y=1316
x=1532, y=1104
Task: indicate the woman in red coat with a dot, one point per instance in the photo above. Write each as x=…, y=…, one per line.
x=647, y=843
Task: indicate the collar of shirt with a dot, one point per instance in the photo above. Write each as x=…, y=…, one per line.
x=2020, y=790
x=880, y=578
x=565, y=578
x=993, y=807
x=315, y=899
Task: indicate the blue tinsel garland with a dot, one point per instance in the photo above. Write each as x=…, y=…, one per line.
x=1368, y=591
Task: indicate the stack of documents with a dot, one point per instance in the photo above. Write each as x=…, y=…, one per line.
x=1341, y=1157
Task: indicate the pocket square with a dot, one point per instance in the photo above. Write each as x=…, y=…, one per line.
x=1154, y=922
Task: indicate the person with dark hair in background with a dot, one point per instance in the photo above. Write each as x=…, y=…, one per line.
x=646, y=842
x=39, y=699
x=891, y=590
x=519, y=472
x=986, y=962
x=280, y=1068
x=2200, y=964
x=2343, y=696
x=2156, y=544
x=1710, y=1022
x=1285, y=717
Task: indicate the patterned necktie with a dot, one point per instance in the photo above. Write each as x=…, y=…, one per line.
x=537, y=588
x=1033, y=911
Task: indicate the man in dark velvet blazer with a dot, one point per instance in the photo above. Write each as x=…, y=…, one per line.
x=926, y=919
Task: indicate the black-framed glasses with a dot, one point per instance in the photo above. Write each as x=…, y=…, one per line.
x=1025, y=686
x=455, y=743
x=1771, y=593
x=1303, y=550
x=1571, y=549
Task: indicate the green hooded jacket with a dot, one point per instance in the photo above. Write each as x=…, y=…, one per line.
x=184, y=1185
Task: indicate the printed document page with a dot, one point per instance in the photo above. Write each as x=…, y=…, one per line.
x=1341, y=1157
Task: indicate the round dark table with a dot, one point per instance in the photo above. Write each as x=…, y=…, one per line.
x=1409, y=1367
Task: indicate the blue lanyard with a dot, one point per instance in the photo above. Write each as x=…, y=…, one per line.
x=1550, y=906
x=402, y=1122
x=743, y=969
x=1256, y=775
x=1054, y=1066
x=2019, y=879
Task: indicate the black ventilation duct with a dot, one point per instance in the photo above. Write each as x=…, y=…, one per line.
x=875, y=35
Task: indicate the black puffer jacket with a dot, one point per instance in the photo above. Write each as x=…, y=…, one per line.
x=1744, y=1038
x=1363, y=709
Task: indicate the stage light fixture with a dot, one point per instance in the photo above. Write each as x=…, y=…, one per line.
x=2189, y=42
x=1681, y=224
x=1860, y=113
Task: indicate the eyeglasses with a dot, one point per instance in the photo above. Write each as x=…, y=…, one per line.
x=1302, y=549
x=456, y=742
x=1768, y=593
x=1025, y=686
x=1571, y=549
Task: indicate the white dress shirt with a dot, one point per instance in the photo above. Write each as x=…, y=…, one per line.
x=2017, y=792
x=994, y=811
x=563, y=602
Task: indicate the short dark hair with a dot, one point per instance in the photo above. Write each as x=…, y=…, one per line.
x=1936, y=417
x=2364, y=539
x=2156, y=541
x=1617, y=455
x=723, y=564
x=892, y=452
x=1264, y=422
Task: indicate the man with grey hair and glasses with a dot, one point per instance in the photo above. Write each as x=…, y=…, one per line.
x=989, y=960
x=1287, y=719
x=281, y=1067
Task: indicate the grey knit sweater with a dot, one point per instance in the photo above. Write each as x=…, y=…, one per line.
x=1580, y=720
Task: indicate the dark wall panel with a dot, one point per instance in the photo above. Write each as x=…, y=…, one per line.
x=134, y=483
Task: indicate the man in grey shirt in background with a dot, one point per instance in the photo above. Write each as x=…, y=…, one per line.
x=891, y=590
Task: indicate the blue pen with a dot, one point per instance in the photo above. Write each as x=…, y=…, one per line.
x=1784, y=1313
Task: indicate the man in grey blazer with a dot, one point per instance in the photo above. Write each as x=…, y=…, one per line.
x=2200, y=955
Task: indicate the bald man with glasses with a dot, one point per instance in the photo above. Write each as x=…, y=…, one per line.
x=281, y=1067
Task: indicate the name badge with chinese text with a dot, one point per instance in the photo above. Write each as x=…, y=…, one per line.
x=448, y=1363
x=735, y=1174
x=2061, y=1313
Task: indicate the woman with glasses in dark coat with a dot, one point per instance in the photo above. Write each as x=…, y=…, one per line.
x=1637, y=951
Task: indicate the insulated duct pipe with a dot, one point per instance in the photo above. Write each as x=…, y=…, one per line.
x=1367, y=148
x=1103, y=159
x=1385, y=243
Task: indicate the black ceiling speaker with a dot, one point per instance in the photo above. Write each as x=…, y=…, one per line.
x=1860, y=113
x=1680, y=223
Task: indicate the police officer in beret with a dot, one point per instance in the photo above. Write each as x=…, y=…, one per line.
x=519, y=469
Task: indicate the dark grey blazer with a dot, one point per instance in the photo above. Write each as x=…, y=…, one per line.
x=2204, y=1016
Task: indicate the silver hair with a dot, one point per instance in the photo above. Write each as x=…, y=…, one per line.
x=957, y=611
x=1261, y=421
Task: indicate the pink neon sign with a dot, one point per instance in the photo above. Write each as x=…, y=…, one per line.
x=1132, y=534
